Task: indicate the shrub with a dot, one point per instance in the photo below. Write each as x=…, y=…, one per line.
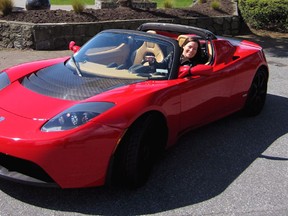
x=265, y=14
x=78, y=6
x=168, y=4
x=215, y=4
x=6, y=6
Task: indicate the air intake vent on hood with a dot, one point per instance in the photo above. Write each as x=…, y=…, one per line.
x=60, y=82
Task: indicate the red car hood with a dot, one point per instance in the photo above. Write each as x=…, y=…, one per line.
x=23, y=102
x=49, y=90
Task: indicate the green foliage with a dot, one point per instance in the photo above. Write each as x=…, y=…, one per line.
x=78, y=6
x=215, y=4
x=265, y=14
x=176, y=3
x=6, y=6
x=168, y=4
x=160, y=3
x=69, y=2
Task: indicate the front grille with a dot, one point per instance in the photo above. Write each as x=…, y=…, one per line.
x=25, y=167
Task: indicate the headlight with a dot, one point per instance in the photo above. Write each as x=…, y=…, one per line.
x=4, y=80
x=76, y=116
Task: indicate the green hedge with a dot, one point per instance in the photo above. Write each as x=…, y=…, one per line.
x=265, y=14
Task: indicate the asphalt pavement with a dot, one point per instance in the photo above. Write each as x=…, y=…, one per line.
x=235, y=166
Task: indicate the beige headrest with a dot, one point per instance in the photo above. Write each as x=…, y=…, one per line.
x=150, y=45
x=181, y=39
x=151, y=32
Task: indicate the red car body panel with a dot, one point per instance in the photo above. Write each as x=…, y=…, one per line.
x=67, y=153
x=80, y=157
x=42, y=111
x=19, y=71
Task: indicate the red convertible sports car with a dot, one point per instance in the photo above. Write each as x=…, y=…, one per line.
x=105, y=115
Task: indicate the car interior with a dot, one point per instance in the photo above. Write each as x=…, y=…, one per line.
x=125, y=59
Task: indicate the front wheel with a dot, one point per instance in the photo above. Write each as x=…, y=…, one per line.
x=257, y=94
x=138, y=152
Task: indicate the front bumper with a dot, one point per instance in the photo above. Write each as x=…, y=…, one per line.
x=22, y=171
x=69, y=159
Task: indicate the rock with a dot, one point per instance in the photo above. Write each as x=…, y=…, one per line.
x=38, y=4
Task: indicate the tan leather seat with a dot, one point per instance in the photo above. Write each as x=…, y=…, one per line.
x=148, y=47
x=181, y=39
x=209, y=52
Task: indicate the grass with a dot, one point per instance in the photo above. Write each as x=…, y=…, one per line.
x=160, y=3
x=69, y=2
x=78, y=6
x=168, y=4
x=215, y=4
x=6, y=7
x=176, y=3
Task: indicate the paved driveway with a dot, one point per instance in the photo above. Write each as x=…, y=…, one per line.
x=236, y=166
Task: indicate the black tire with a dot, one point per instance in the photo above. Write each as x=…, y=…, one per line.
x=257, y=94
x=137, y=153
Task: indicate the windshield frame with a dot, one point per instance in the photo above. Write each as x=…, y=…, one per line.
x=173, y=44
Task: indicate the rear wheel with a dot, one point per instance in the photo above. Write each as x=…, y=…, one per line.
x=257, y=94
x=138, y=151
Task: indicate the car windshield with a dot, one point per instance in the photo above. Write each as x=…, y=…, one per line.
x=124, y=55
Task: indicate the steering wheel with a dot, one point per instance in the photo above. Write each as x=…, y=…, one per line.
x=144, y=61
x=150, y=59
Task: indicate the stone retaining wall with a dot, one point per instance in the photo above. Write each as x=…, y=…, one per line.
x=57, y=36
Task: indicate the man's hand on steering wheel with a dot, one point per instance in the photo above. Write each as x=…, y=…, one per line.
x=150, y=59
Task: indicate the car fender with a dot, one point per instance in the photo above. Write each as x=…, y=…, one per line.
x=16, y=72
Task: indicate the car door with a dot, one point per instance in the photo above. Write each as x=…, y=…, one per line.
x=205, y=98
